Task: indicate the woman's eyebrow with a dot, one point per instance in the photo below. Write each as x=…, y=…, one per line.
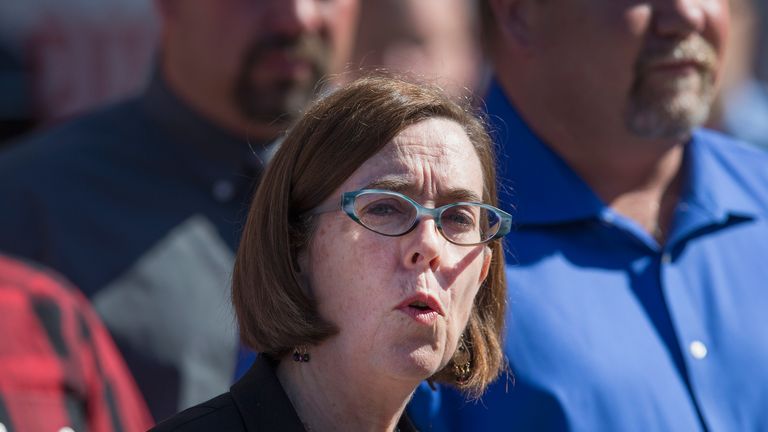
x=459, y=194
x=395, y=184
x=402, y=185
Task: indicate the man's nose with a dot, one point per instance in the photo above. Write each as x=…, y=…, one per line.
x=294, y=17
x=679, y=18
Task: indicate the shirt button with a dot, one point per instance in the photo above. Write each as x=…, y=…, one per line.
x=66, y=429
x=698, y=349
x=223, y=190
x=666, y=258
x=3, y=428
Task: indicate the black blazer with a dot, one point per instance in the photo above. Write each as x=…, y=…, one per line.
x=257, y=402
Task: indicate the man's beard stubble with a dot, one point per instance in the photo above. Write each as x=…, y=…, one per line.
x=281, y=101
x=682, y=103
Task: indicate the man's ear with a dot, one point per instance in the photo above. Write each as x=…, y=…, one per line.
x=514, y=21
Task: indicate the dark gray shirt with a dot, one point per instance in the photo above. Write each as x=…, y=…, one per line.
x=141, y=205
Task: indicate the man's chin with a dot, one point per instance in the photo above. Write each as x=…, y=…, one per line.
x=273, y=109
x=671, y=112
x=269, y=130
x=671, y=119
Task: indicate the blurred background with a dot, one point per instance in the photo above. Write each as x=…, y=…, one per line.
x=59, y=58
x=742, y=105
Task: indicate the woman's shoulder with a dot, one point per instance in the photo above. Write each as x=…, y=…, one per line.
x=256, y=402
x=219, y=413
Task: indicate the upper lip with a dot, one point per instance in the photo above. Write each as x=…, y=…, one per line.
x=682, y=56
x=431, y=301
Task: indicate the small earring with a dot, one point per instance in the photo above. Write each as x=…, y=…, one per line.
x=462, y=362
x=300, y=354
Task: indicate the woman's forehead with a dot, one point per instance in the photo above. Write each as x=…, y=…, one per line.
x=434, y=155
x=431, y=137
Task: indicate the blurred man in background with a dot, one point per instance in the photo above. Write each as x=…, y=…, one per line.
x=637, y=276
x=140, y=204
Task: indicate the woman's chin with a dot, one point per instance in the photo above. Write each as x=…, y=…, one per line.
x=416, y=364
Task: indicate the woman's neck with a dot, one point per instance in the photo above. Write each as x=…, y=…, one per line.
x=330, y=395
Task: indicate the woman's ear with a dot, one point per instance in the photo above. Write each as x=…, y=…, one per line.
x=487, y=256
x=302, y=267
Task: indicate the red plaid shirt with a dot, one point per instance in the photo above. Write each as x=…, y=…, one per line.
x=58, y=365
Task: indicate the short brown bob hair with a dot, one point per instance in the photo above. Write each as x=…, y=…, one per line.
x=335, y=136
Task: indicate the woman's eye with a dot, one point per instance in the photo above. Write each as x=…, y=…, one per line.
x=383, y=208
x=380, y=210
x=459, y=219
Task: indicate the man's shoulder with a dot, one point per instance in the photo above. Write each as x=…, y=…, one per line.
x=219, y=413
x=32, y=278
x=735, y=165
x=719, y=139
x=741, y=158
x=91, y=131
x=726, y=142
x=63, y=150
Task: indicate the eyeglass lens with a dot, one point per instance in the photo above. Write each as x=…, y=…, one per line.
x=393, y=215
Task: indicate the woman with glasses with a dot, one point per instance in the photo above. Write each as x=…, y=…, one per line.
x=370, y=261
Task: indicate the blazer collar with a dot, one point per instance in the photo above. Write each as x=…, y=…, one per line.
x=262, y=401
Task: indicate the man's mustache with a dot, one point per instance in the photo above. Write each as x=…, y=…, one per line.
x=310, y=49
x=695, y=50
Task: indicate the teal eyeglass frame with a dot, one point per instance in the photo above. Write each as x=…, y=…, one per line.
x=348, y=206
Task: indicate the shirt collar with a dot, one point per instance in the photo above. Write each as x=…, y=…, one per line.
x=261, y=400
x=536, y=183
x=721, y=176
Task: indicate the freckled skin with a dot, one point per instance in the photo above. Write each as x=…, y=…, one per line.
x=359, y=277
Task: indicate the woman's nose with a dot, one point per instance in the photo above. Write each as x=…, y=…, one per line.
x=423, y=246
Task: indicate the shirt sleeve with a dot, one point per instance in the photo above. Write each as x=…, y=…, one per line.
x=58, y=365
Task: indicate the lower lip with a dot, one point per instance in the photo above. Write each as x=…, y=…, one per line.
x=426, y=317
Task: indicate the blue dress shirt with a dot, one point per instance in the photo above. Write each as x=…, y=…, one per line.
x=607, y=330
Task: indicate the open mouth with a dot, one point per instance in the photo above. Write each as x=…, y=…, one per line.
x=421, y=306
